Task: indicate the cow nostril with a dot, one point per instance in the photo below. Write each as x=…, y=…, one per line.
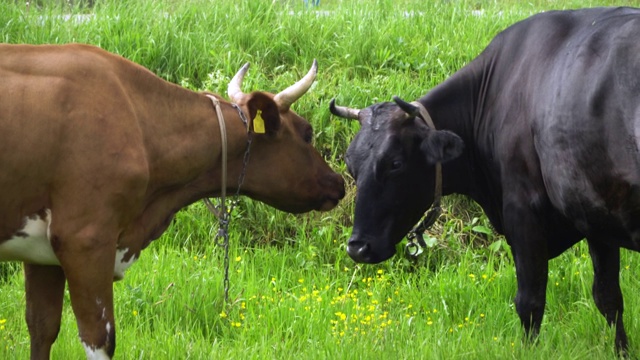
x=335, y=183
x=358, y=250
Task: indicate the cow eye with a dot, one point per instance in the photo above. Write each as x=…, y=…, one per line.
x=396, y=165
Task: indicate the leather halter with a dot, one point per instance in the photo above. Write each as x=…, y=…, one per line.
x=223, y=182
x=222, y=213
x=415, y=236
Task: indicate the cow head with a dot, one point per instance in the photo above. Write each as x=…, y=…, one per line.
x=392, y=159
x=285, y=170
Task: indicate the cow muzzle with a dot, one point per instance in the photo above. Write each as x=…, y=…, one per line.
x=363, y=252
x=334, y=185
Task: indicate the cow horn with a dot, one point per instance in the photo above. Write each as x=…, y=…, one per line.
x=234, y=90
x=288, y=96
x=343, y=111
x=409, y=108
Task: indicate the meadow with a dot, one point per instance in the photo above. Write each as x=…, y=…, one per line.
x=294, y=292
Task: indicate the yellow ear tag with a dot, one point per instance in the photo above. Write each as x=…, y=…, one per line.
x=258, y=123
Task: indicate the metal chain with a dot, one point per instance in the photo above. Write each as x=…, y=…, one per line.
x=222, y=236
x=223, y=230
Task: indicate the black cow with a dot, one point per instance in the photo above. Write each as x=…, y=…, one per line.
x=542, y=129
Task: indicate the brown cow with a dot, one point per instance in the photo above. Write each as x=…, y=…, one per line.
x=98, y=154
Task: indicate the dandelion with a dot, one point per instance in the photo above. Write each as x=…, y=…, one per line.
x=223, y=314
x=135, y=313
x=380, y=272
x=472, y=276
x=301, y=280
x=238, y=258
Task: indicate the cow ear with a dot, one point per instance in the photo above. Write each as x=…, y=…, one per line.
x=264, y=116
x=441, y=146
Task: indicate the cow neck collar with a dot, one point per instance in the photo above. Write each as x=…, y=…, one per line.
x=415, y=236
x=221, y=212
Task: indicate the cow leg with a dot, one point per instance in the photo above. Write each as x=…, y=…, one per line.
x=88, y=262
x=44, y=290
x=532, y=274
x=529, y=249
x=606, y=288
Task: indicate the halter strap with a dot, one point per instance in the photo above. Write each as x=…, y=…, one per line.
x=415, y=237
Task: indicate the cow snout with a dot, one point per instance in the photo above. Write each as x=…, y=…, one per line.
x=368, y=251
x=334, y=191
x=359, y=251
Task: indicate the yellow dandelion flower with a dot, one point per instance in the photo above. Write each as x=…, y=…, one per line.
x=380, y=271
x=301, y=280
x=223, y=314
x=135, y=313
x=3, y=321
x=238, y=258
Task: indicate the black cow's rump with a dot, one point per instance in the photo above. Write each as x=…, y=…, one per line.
x=549, y=115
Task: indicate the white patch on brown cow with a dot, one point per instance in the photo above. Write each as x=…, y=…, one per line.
x=121, y=264
x=32, y=244
x=95, y=354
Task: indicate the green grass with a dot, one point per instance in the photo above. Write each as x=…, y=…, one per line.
x=294, y=291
